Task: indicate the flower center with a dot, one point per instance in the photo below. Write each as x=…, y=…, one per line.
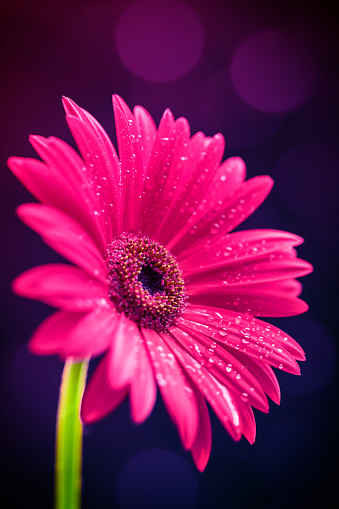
x=144, y=281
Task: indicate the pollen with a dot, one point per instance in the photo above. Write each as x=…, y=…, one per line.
x=144, y=281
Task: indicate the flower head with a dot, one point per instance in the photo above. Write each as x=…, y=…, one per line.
x=159, y=285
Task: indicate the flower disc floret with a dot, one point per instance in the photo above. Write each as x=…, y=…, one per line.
x=144, y=281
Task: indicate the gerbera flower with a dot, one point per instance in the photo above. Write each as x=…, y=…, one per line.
x=160, y=287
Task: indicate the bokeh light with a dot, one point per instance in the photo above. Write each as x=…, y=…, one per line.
x=159, y=41
x=157, y=478
x=272, y=71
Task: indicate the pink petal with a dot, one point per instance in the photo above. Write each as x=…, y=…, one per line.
x=122, y=352
x=99, y=398
x=256, y=299
x=238, y=247
x=224, y=217
x=132, y=164
x=158, y=168
x=249, y=340
x=201, y=172
x=248, y=420
x=64, y=287
x=102, y=172
x=174, y=386
x=147, y=131
x=52, y=188
x=290, y=287
x=261, y=371
x=214, y=318
x=105, y=161
x=175, y=179
x=78, y=335
x=261, y=270
x=220, y=363
x=143, y=389
x=62, y=159
x=226, y=180
x=230, y=174
x=65, y=236
x=201, y=448
x=221, y=399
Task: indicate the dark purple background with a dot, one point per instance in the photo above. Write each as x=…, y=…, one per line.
x=265, y=74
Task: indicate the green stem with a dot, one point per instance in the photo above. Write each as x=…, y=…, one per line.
x=69, y=436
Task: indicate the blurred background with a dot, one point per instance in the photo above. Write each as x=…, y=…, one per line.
x=265, y=75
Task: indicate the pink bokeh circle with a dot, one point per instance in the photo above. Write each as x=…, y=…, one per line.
x=272, y=71
x=159, y=41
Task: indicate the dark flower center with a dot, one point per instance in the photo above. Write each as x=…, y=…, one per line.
x=151, y=280
x=144, y=281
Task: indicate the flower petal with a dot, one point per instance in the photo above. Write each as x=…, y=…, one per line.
x=174, y=181
x=102, y=157
x=262, y=372
x=200, y=167
x=65, y=236
x=52, y=188
x=158, y=168
x=147, y=131
x=225, y=321
x=230, y=174
x=256, y=299
x=78, y=335
x=132, y=164
x=62, y=159
x=221, y=399
x=143, y=389
x=103, y=171
x=174, y=386
x=122, y=352
x=226, y=180
x=64, y=287
x=248, y=420
x=239, y=247
x=220, y=363
x=99, y=398
x=201, y=448
x=222, y=218
x=261, y=270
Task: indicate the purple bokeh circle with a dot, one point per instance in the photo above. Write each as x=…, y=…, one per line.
x=159, y=41
x=272, y=71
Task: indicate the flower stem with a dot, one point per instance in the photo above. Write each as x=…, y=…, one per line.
x=69, y=436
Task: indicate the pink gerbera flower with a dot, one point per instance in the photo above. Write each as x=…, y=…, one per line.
x=160, y=286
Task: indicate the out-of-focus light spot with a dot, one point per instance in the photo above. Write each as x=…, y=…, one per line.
x=272, y=71
x=159, y=41
x=321, y=357
x=224, y=111
x=157, y=478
